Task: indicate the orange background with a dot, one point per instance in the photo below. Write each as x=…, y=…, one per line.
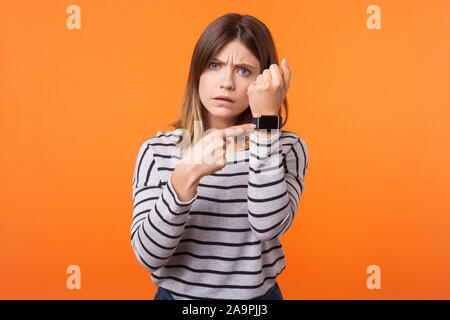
x=372, y=106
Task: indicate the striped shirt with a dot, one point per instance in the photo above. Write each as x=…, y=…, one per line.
x=224, y=243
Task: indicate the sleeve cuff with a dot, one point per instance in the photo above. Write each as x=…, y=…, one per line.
x=266, y=147
x=265, y=155
x=175, y=196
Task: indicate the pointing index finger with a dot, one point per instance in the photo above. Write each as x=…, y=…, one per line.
x=238, y=130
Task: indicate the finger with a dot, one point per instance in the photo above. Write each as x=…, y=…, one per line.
x=267, y=79
x=220, y=151
x=233, y=132
x=238, y=130
x=267, y=76
x=246, y=127
x=223, y=150
x=260, y=79
x=286, y=75
x=277, y=79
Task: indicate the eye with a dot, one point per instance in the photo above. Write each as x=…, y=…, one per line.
x=212, y=63
x=247, y=71
x=246, y=74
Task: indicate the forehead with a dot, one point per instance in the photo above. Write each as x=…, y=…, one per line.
x=238, y=52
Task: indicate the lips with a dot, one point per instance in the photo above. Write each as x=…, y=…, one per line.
x=223, y=98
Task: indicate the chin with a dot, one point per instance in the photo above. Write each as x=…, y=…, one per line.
x=223, y=111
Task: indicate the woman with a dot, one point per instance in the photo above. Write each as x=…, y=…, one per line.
x=213, y=196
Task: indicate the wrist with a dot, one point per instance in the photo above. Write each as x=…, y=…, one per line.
x=190, y=176
x=263, y=133
x=269, y=113
x=267, y=124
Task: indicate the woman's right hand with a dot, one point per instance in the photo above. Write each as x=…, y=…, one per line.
x=208, y=154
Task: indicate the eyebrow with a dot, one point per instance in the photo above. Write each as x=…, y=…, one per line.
x=237, y=65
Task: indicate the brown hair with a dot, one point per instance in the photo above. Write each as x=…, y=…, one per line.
x=258, y=40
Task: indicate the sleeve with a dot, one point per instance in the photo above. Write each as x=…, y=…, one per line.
x=159, y=216
x=275, y=185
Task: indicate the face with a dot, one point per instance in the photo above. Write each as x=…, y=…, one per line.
x=228, y=73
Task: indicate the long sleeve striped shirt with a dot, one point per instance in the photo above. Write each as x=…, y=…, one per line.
x=224, y=243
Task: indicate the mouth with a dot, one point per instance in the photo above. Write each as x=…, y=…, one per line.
x=223, y=100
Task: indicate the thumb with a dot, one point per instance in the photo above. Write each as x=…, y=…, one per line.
x=286, y=74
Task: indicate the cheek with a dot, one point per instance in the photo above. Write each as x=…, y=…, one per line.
x=202, y=86
x=243, y=90
x=205, y=83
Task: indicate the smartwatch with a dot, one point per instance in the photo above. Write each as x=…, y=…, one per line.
x=267, y=122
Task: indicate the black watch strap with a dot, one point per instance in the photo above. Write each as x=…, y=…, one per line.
x=267, y=122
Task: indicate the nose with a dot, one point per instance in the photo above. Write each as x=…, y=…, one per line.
x=227, y=81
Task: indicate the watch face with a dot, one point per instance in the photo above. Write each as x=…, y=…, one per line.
x=268, y=122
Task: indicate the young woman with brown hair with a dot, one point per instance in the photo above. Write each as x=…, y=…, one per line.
x=209, y=210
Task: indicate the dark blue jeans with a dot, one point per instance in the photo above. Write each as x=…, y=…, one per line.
x=273, y=293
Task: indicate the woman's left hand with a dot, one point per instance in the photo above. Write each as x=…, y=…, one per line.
x=266, y=94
